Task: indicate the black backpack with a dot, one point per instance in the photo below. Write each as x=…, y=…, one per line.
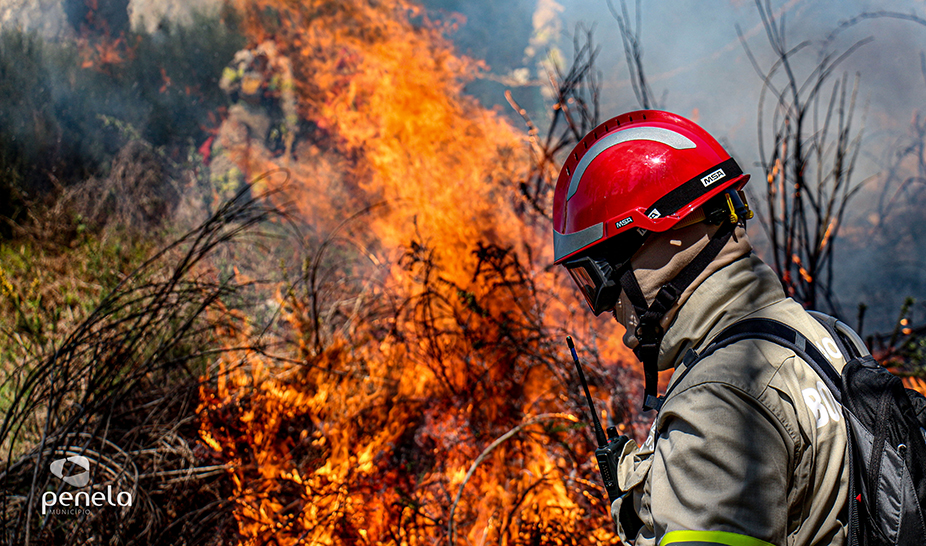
x=886, y=424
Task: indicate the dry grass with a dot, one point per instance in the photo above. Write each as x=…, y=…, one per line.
x=121, y=387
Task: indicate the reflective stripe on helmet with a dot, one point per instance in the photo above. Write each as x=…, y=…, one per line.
x=656, y=134
x=709, y=538
x=567, y=243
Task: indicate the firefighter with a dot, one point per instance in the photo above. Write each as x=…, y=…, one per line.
x=748, y=447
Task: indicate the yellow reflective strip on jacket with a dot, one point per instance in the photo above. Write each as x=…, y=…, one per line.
x=706, y=538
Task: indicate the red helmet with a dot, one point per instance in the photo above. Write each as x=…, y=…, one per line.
x=636, y=173
x=646, y=169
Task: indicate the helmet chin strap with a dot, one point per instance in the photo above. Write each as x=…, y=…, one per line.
x=649, y=331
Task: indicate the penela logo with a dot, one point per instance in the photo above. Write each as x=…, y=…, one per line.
x=77, y=480
x=80, y=502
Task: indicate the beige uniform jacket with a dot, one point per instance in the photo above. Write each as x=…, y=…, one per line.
x=751, y=445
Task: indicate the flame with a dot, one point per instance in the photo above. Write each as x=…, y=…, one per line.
x=167, y=81
x=776, y=168
x=828, y=233
x=915, y=383
x=800, y=268
x=402, y=371
x=102, y=53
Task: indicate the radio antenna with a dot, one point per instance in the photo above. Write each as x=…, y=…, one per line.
x=599, y=432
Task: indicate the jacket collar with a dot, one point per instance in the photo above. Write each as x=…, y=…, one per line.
x=727, y=296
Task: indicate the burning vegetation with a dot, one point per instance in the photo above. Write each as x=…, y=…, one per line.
x=424, y=319
x=403, y=384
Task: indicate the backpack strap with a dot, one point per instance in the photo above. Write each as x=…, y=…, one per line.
x=776, y=332
x=786, y=336
x=885, y=492
x=850, y=344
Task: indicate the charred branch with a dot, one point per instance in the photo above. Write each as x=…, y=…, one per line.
x=575, y=112
x=809, y=162
x=633, y=51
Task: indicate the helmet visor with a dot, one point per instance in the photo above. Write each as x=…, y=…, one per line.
x=593, y=277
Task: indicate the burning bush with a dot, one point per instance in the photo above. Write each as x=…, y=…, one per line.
x=405, y=385
x=425, y=320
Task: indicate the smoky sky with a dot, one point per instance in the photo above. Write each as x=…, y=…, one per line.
x=693, y=55
x=697, y=66
x=695, y=59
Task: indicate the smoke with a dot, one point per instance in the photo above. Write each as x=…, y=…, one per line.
x=693, y=55
x=694, y=58
x=697, y=66
x=71, y=101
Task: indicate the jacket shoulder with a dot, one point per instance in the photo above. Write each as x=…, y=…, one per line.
x=763, y=371
x=748, y=365
x=752, y=364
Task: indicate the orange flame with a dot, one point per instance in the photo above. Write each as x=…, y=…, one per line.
x=800, y=268
x=102, y=53
x=915, y=383
x=776, y=168
x=828, y=233
x=438, y=346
